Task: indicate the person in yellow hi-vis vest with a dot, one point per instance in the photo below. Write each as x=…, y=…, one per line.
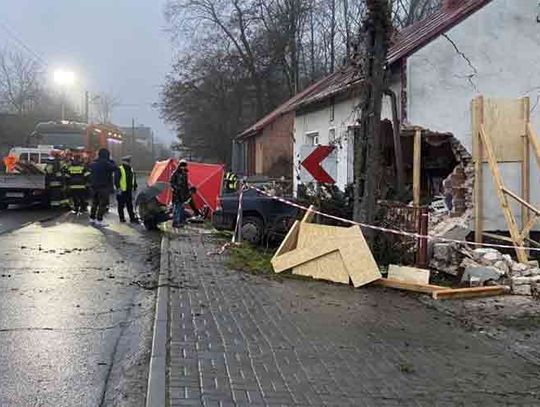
x=126, y=184
x=77, y=174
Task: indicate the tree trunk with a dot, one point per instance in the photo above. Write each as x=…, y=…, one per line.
x=367, y=163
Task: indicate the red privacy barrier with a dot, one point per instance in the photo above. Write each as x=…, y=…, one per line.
x=207, y=178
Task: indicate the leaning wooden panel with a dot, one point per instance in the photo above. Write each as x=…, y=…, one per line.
x=290, y=241
x=358, y=259
x=329, y=267
x=408, y=274
x=299, y=256
x=469, y=292
x=505, y=121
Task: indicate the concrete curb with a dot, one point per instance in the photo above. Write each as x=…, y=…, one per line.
x=157, y=376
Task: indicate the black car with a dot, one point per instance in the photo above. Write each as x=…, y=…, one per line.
x=262, y=216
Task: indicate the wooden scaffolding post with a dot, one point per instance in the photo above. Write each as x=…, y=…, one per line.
x=503, y=199
x=417, y=165
x=477, y=120
x=525, y=168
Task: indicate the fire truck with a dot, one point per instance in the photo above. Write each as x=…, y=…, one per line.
x=24, y=181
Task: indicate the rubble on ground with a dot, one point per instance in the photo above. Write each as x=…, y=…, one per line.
x=485, y=266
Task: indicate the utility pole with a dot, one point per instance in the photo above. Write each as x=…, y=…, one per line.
x=133, y=136
x=86, y=106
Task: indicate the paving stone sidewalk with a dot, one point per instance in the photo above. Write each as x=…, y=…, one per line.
x=242, y=340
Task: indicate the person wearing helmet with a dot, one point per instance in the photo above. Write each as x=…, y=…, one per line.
x=180, y=187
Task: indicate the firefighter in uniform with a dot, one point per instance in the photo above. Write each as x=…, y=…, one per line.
x=126, y=184
x=76, y=179
x=231, y=182
x=55, y=181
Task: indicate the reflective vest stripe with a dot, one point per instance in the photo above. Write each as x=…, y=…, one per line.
x=123, y=178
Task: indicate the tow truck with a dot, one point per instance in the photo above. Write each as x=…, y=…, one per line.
x=24, y=182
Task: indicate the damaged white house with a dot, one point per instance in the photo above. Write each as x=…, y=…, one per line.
x=437, y=67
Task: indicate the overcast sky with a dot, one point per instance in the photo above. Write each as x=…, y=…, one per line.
x=113, y=46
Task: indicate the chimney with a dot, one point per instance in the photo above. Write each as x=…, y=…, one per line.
x=452, y=4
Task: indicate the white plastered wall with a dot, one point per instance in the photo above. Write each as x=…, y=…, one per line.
x=494, y=52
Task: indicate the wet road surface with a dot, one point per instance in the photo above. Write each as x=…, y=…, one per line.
x=16, y=217
x=75, y=319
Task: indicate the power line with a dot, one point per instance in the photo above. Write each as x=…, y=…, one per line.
x=22, y=44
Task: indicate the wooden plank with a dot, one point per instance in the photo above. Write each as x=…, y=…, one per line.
x=308, y=216
x=417, y=288
x=525, y=167
x=503, y=200
x=408, y=274
x=290, y=241
x=417, y=164
x=457, y=293
x=296, y=257
x=499, y=237
x=477, y=114
x=521, y=201
x=534, y=142
x=505, y=121
x=528, y=227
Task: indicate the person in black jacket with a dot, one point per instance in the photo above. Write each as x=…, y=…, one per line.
x=126, y=185
x=180, y=187
x=102, y=172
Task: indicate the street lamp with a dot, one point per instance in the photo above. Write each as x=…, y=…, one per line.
x=64, y=79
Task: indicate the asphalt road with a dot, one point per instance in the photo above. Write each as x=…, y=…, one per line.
x=77, y=308
x=16, y=217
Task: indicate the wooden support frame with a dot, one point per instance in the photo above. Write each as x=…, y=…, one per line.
x=484, y=150
x=417, y=167
x=477, y=119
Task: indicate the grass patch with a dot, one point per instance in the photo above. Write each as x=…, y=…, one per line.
x=249, y=259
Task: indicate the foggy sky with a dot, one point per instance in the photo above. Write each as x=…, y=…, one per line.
x=113, y=46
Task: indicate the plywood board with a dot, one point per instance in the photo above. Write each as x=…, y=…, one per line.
x=505, y=121
x=354, y=250
x=299, y=256
x=290, y=241
x=408, y=274
x=330, y=267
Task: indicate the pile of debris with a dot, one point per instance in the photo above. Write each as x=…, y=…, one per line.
x=487, y=266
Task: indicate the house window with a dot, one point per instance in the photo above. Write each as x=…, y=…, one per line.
x=312, y=138
x=332, y=104
x=331, y=135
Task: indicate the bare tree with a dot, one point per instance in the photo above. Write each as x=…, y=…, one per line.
x=377, y=32
x=20, y=82
x=104, y=105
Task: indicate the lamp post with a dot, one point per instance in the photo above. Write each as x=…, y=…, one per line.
x=64, y=79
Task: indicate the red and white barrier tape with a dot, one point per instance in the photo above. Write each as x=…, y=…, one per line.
x=393, y=231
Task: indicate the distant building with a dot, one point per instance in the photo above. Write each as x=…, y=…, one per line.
x=143, y=135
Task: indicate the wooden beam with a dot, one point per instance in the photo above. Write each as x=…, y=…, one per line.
x=503, y=200
x=300, y=256
x=417, y=288
x=521, y=201
x=477, y=119
x=308, y=216
x=525, y=167
x=535, y=143
x=456, y=293
x=499, y=237
x=528, y=227
x=417, y=165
